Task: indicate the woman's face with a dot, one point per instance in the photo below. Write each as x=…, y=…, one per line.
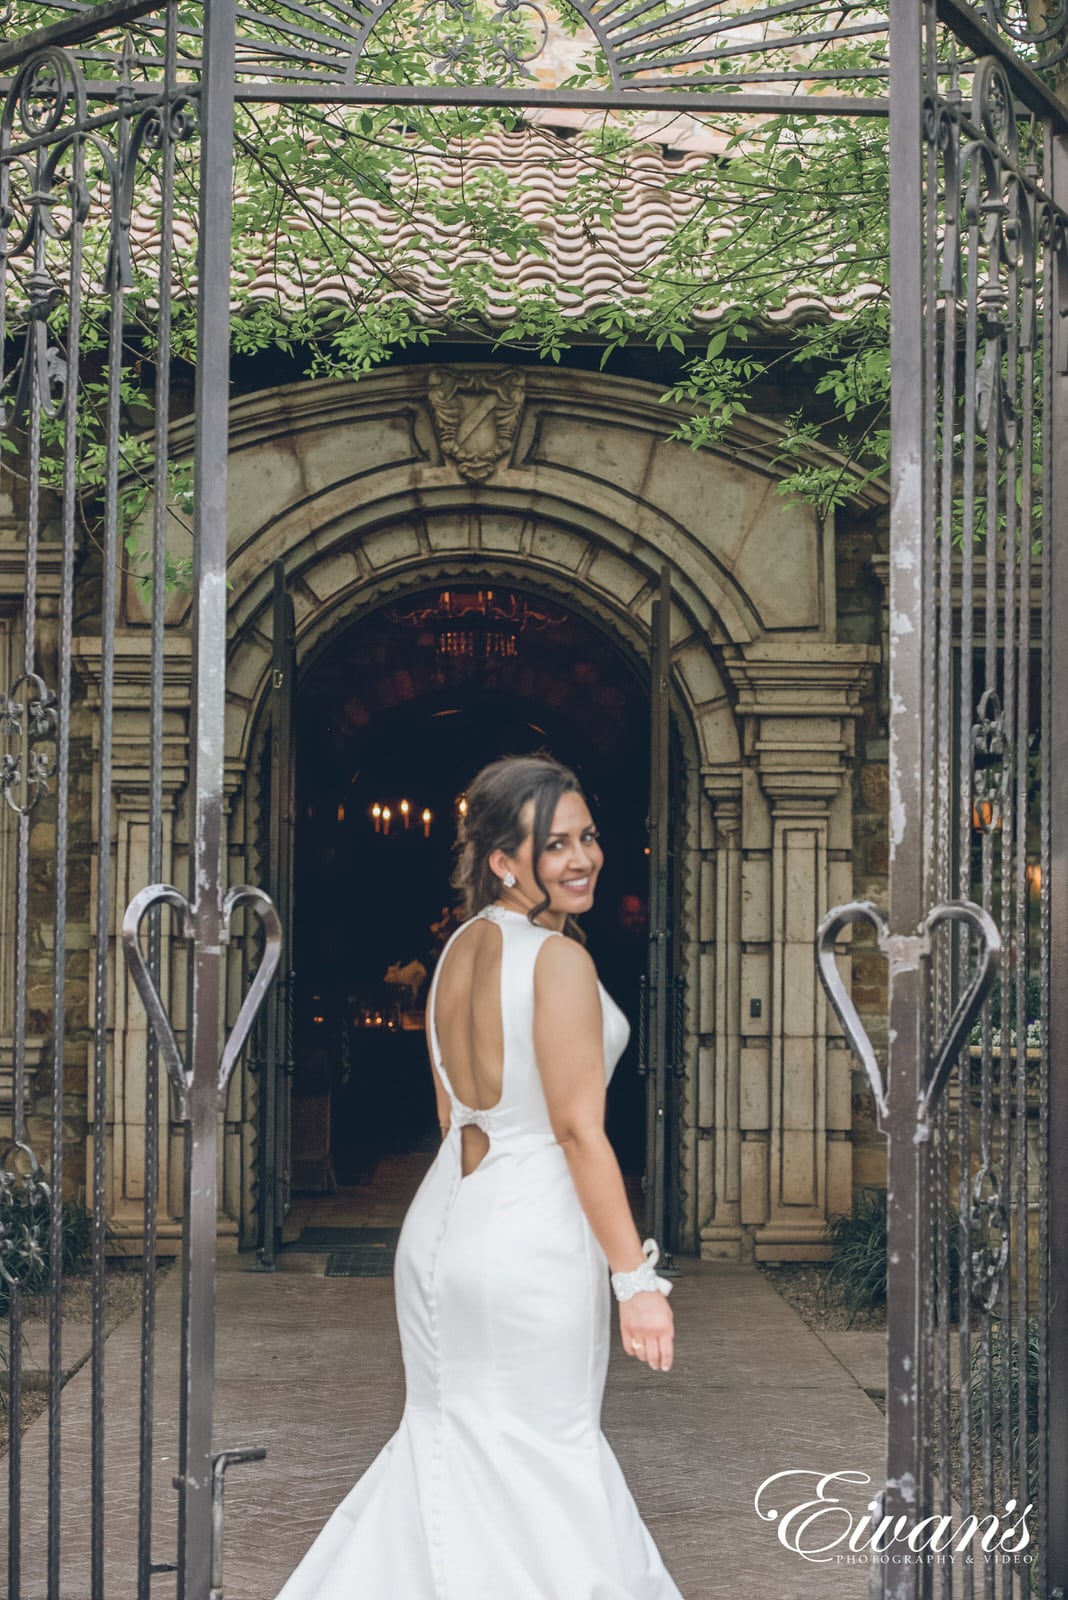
x=568, y=866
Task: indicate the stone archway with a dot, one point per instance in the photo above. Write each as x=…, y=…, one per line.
x=704, y=724
x=570, y=485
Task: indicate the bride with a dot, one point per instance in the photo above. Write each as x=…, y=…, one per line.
x=499, y=1484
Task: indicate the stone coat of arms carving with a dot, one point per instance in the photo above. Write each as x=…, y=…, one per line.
x=476, y=414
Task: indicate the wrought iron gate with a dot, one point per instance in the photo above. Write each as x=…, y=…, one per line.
x=74, y=164
x=973, y=1098
x=93, y=118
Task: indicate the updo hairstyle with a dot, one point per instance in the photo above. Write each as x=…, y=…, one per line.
x=495, y=800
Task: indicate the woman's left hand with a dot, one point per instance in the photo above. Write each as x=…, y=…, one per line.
x=647, y=1328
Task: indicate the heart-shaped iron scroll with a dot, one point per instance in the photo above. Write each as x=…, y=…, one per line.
x=157, y=894
x=830, y=929
x=968, y=1006
x=166, y=894
x=897, y=949
x=262, y=904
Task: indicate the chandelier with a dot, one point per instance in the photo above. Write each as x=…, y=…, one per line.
x=477, y=624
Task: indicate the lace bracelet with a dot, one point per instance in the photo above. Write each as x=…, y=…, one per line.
x=626, y=1284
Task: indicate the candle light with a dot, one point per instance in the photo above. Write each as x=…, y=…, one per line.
x=463, y=805
x=341, y=812
x=985, y=816
x=387, y=817
x=376, y=812
x=426, y=824
x=404, y=810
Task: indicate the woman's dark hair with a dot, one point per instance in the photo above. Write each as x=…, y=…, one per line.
x=493, y=821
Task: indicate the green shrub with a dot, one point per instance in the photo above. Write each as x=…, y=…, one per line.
x=25, y=1239
x=1005, y=990
x=857, y=1271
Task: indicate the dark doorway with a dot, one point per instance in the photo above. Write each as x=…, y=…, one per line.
x=399, y=713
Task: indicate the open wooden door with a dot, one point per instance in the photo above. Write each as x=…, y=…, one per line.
x=660, y=1027
x=276, y=1059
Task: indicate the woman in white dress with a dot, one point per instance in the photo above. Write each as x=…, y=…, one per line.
x=499, y=1484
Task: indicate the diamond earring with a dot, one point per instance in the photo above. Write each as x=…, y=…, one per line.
x=509, y=879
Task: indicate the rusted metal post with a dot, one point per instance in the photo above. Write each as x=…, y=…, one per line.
x=206, y=858
x=907, y=1041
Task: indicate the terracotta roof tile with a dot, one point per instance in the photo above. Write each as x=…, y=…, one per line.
x=584, y=267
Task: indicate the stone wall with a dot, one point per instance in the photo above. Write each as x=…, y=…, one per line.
x=40, y=902
x=863, y=578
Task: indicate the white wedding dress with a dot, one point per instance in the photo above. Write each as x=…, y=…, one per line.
x=498, y=1484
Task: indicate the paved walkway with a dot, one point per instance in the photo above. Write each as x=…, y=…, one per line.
x=310, y=1367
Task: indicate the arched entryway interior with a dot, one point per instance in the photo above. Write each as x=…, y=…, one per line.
x=397, y=712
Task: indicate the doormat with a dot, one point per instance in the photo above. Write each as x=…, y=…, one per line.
x=362, y=1261
x=321, y=1241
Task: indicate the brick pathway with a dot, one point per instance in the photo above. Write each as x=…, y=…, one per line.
x=310, y=1367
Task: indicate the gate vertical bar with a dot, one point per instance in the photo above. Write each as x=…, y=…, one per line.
x=209, y=668
x=101, y=976
x=59, y=932
x=1057, y=535
x=155, y=825
x=905, y=1211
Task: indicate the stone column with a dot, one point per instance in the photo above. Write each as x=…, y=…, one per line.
x=719, y=933
x=799, y=702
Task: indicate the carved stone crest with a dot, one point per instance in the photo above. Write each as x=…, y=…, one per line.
x=476, y=414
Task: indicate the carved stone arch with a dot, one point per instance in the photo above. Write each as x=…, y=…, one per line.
x=367, y=526
x=328, y=602
x=570, y=485
x=365, y=493
x=700, y=697
x=333, y=464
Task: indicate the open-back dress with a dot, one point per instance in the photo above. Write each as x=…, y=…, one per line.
x=498, y=1484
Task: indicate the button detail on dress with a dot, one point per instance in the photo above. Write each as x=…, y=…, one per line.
x=468, y=1114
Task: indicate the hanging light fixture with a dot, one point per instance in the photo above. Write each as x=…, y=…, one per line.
x=478, y=624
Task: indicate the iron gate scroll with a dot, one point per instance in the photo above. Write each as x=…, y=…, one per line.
x=976, y=1057
x=74, y=167
x=109, y=112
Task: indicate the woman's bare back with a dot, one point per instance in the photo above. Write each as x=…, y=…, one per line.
x=470, y=1029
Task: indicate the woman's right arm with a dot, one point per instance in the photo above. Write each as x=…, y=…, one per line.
x=568, y=1044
